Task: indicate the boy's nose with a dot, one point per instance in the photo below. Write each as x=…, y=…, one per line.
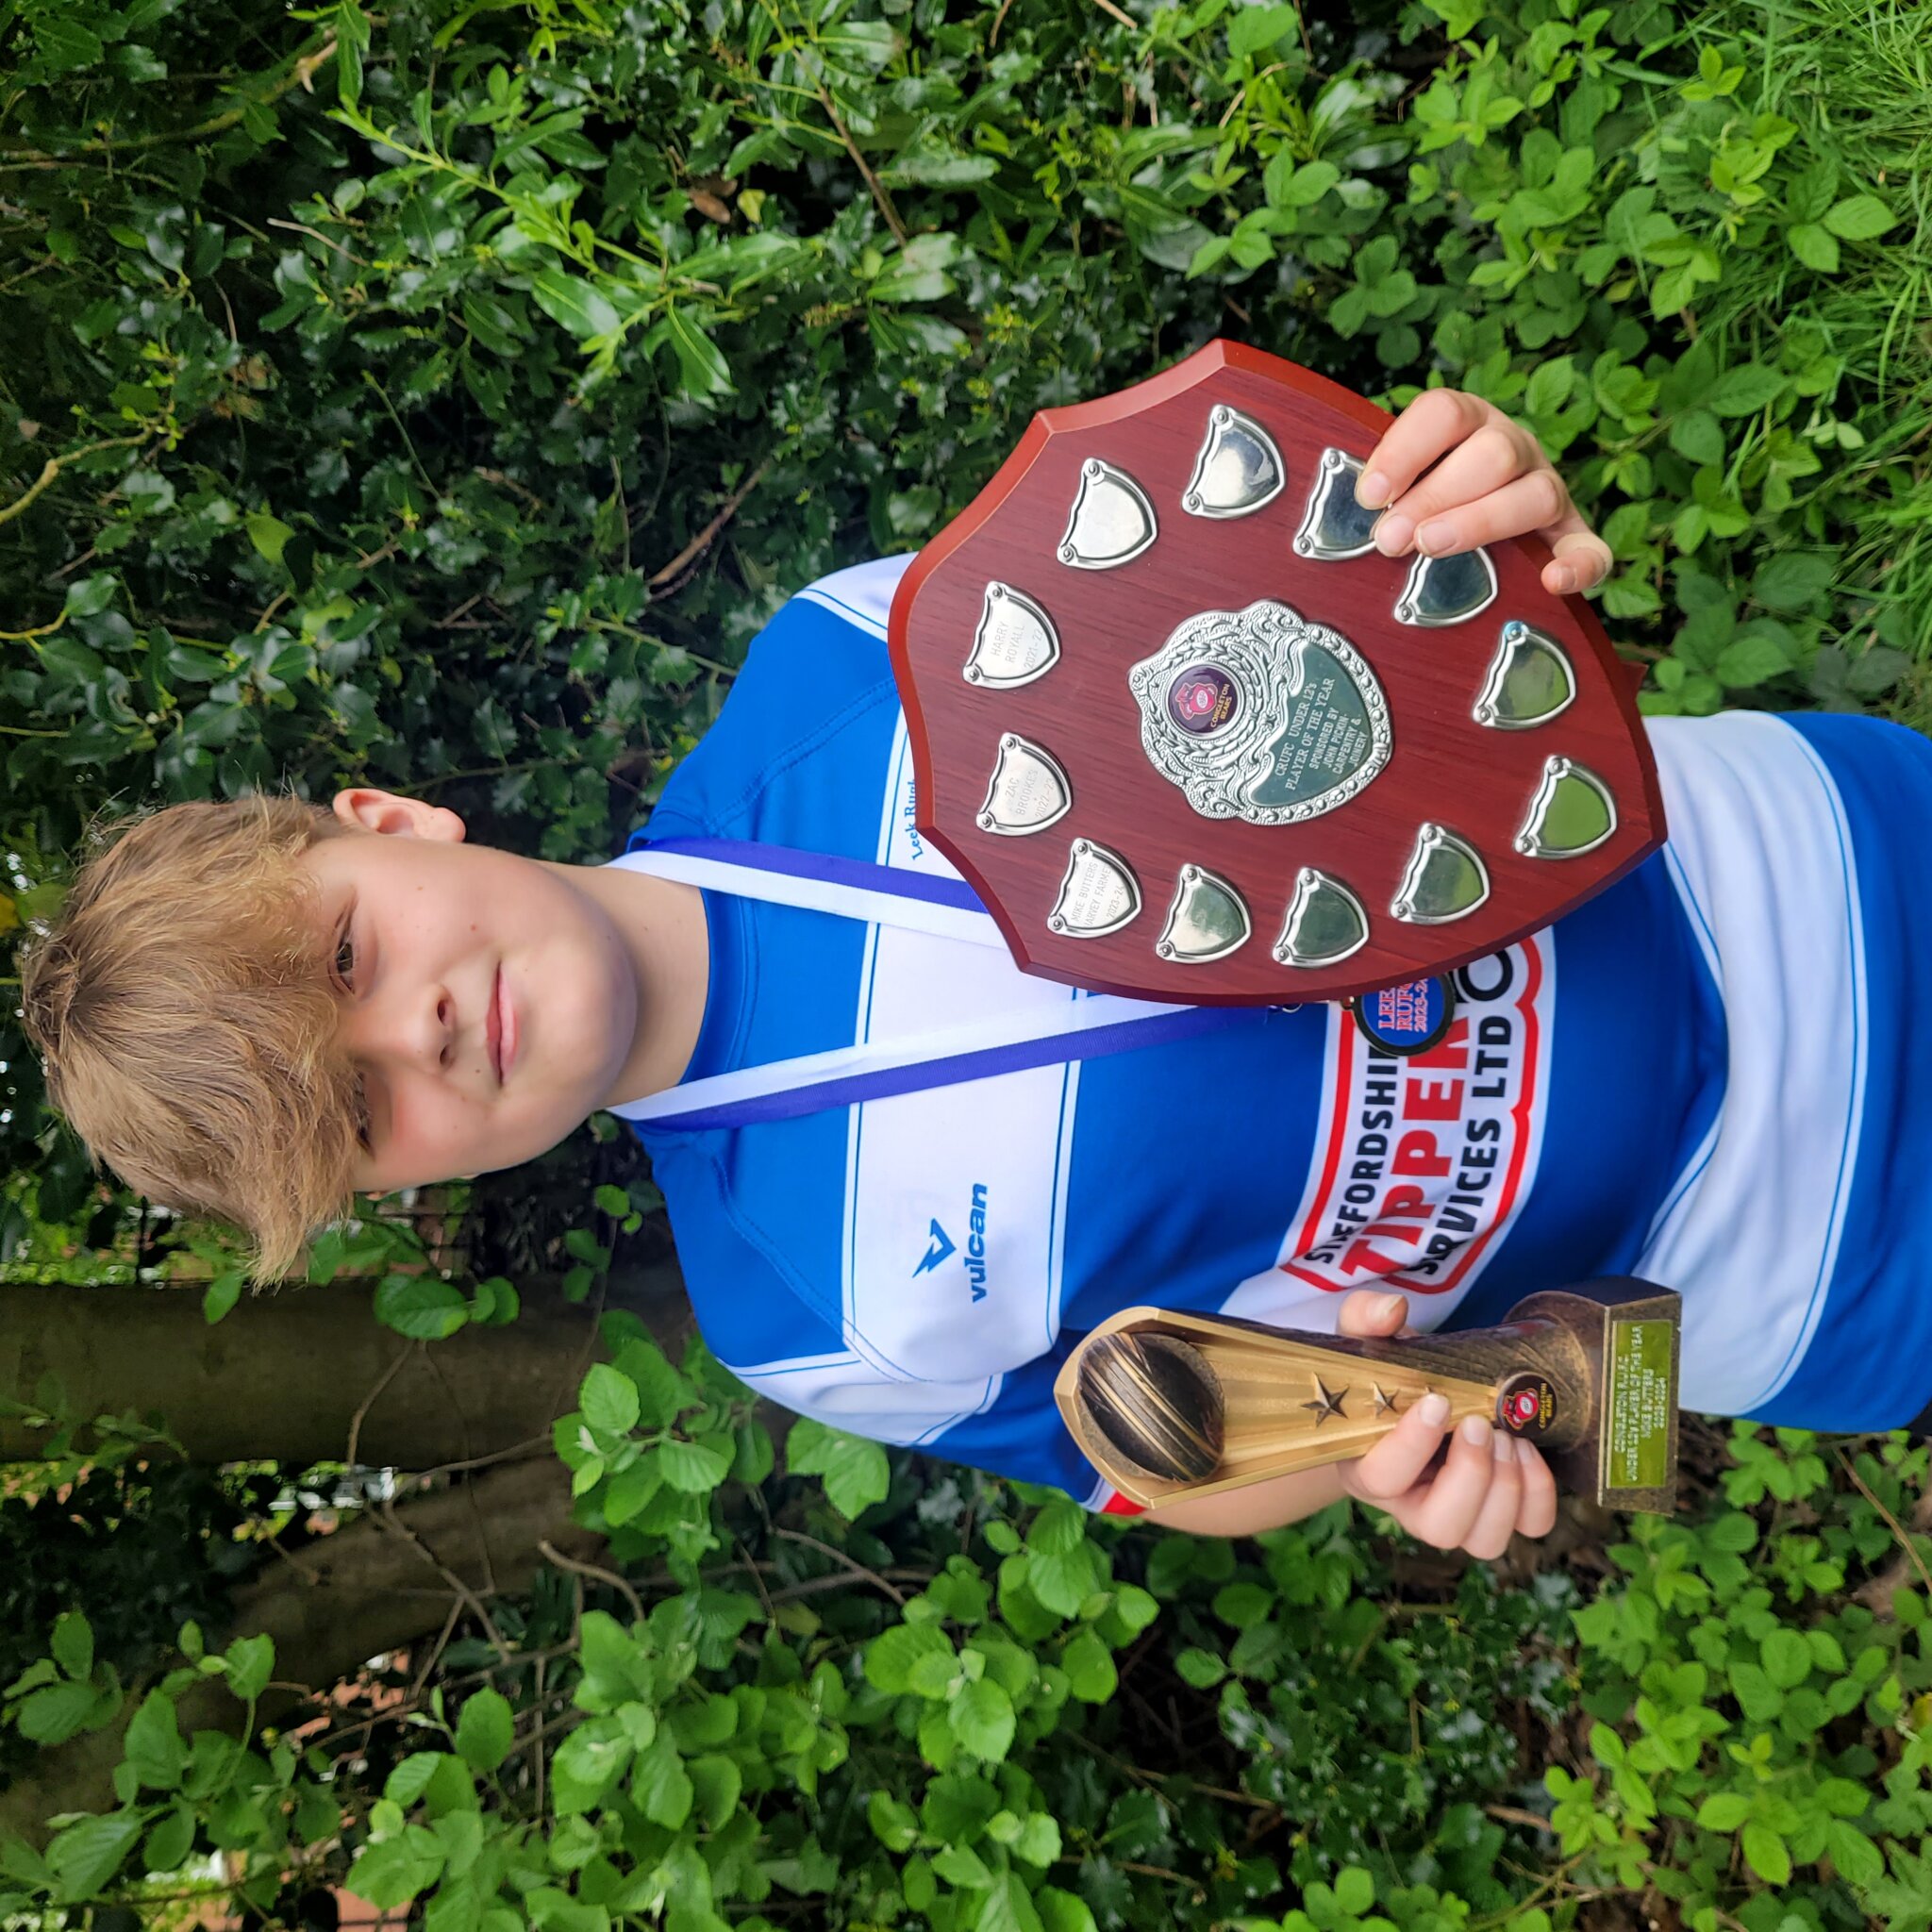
x=421, y=1032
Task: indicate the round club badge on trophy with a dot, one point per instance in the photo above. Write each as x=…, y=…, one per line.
x=1191, y=738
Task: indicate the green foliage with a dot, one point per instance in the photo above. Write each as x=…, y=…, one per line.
x=441, y=398
x=982, y=1707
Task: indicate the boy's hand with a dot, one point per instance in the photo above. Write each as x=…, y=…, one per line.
x=1490, y=480
x=1490, y=1487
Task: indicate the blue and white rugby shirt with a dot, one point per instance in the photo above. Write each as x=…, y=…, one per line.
x=1676, y=1081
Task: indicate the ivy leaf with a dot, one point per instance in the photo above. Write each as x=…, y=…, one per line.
x=153, y=1743
x=87, y=1855
x=982, y=1719
x=855, y=1471
x=422, y=1306
x=1859, y=218
x=1814, y=245
x=486, y=1729
x=73, y=1645
x=1765, y=1852
x=609, y=1400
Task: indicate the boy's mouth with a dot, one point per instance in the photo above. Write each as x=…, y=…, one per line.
x=502, y=1029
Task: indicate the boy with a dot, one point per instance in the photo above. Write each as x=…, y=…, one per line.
x=1676, y=1080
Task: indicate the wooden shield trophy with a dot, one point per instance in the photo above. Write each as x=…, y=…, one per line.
x=1191, y=738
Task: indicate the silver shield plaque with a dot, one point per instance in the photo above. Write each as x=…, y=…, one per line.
x=1237, y=469
x=1098, y=895
x=1112, y=519
x=1256, y=714
x=1572, y=814
x=1029, y=791
x=1446, y=879
x=1530, y=681
x=1335, y=527
x=1326, y=922
x=1208, y=920
x=1015, y=643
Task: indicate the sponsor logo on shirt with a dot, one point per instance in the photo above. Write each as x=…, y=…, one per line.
x=940, y=1244
x=1424, y=1159
x=937, y=1248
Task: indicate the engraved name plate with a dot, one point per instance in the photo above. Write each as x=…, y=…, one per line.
x=1015, y=643
x=1098, y=895
x=1258, y=715
x=1028, y=794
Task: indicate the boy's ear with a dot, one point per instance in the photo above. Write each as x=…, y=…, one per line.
x=371, y=810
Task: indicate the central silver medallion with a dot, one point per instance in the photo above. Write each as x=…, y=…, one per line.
x=1258, y=714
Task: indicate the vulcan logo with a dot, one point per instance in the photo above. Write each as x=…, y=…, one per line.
x=937, y=1251
x=940, y=1245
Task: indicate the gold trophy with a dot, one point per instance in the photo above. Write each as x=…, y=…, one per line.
x=1167, y=1403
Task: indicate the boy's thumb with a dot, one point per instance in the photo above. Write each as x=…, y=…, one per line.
x=1367, y=1314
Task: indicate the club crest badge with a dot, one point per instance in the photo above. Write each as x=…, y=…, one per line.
x=1257, y=715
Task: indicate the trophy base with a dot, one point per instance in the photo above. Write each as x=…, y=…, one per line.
x=1629, y=1331
x=1167, y=1403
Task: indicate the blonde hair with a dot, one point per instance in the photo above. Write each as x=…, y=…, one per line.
x=182, y=1005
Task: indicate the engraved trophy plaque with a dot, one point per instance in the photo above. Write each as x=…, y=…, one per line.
x=1191, y=737
x=1169, y=1405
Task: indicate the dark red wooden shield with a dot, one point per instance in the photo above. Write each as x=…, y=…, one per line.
x=1189, y=740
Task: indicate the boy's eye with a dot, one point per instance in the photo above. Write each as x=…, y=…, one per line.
x=362, y=1137
x=345, y=959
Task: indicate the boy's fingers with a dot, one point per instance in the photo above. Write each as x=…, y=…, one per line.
x=1365, y=1314
x=1395, y=1464
x=1447, y=1513
x=1530, y=503
x=1496, y=454
x=1582, y=558
x=1434, y=423
x=1535, y=1514
x=1496, y=1521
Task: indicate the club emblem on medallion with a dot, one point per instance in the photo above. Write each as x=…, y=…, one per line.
x=1258, y=714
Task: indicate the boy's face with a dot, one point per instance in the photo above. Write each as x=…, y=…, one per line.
x=486, y=1003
